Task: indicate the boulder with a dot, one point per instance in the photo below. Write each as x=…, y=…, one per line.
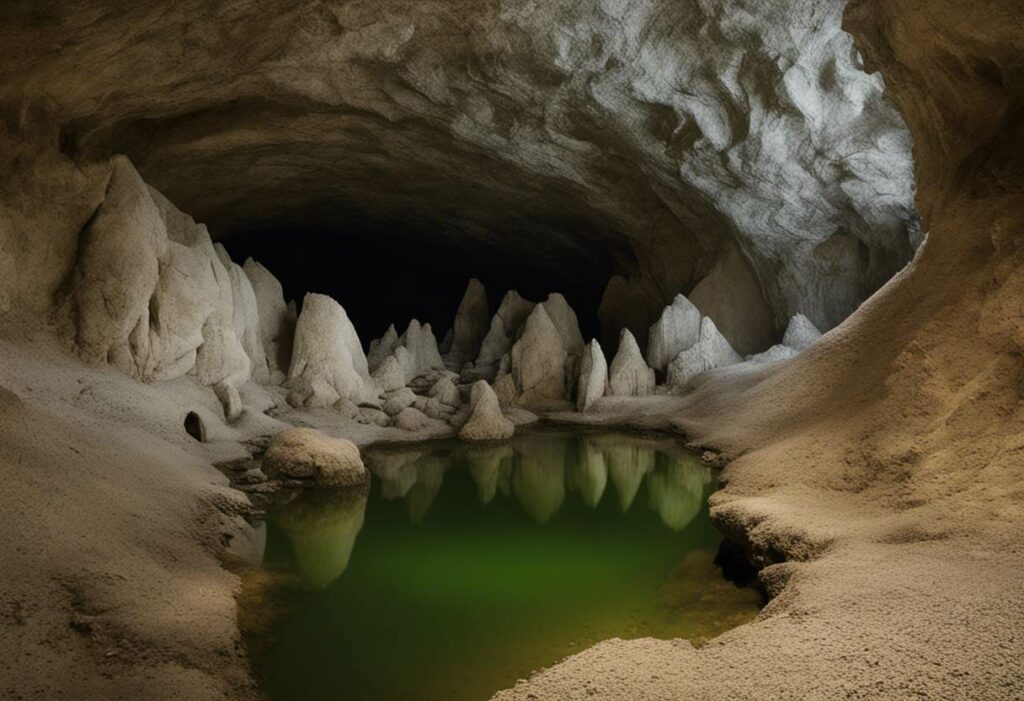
x=800, y=334
x=435, y=408
x=676, y=330
x=370, y=416
x=277, y=319
x=395, y=402
x=538, y=359
x=485, y=422
x=593, y=376
x=381, y=348
x=445, y=391
x=710, y=351
x=413, y=420
x=327, y=353
x=309, y=455
x=629, y=375
x=471, y=323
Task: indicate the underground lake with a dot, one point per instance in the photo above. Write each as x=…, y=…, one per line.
x=463, y=568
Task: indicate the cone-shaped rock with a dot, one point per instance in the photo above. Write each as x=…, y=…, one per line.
x=710, y=351
x=538, y=359
x=676, y=330
x=629, y=375
x=593, y=376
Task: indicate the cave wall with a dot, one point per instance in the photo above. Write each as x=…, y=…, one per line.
x=653, y=136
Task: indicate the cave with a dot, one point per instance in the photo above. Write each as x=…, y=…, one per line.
x=410, y=349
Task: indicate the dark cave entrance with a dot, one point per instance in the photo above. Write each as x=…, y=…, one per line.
x=395, y=272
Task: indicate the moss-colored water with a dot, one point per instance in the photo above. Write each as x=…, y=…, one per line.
x=465, y=568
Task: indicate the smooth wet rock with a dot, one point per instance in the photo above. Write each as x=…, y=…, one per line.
x=677, y=329
x=317, y=459
x=593, y=376
x=327, y=353
x=628, y=374
x=710, y=351
x=538, y=359
x=486, y=421
x=801, y=334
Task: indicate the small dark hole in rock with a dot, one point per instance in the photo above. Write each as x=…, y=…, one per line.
x=194, y=426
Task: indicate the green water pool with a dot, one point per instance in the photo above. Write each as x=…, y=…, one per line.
x=463, y=568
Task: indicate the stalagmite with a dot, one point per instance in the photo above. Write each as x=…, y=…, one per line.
x=593, y=376
x=538, y=360
x=471, y=323
x=628, y=375
x=676, y=330
x=710, y=351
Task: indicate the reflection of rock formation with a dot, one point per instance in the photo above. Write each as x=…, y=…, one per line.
x=539, y=475
x=322, y=528
x=485, y=466
x=588, y=473
x=429, y=476
x=676, y=489
x=396, y=471
x=627, y=464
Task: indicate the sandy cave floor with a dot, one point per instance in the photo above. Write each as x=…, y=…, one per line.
x=117, y=518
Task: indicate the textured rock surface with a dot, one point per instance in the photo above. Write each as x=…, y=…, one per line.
x=539, y=359
x=628, y=374
x=485, y=422
x=419, y=340
x=381, y=348
x=327, y=354
x=677, y=329
x=558, y=131
x=307, y=454
x=593, y=376
x=711, y=351
x=277, y=321
x=505, y=326
x=471, y=323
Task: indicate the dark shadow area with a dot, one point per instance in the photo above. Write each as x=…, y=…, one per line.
x=393, y=273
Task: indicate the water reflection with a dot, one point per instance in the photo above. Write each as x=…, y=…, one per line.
x=322, y=528
x=536, y=469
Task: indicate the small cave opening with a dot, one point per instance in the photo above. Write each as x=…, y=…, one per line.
x=385, y=272
x=195, y=427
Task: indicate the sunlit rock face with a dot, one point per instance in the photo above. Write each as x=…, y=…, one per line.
x=654, y=136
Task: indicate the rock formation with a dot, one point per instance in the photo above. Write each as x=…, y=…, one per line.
x=328, y=355
x=710, y=351
x=381, y=348
x=504, y=329
x=277, y=320
x=471, y=323
x=539, y=360
x=422, y=346
x=628, y=374
x=801, y=334
x=308, y=455
x=676, y=330
x=593, y=376
x=485, y=422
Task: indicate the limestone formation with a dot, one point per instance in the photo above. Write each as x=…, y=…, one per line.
x=381, y=348
x=593, y=376
x=628, y=374
x=564, y=319
x=422, y=346
x=246, y=317
x=309, y=455
x=676, y=330
x=471, y=323
x=505, y=389
x=538, y=360
x=396, y=401
x=392, y=374
x=485, y=422
x=277, y=320
x=801, y=334
x=414, y=420
x=504, y=329
x=445, y=391
x=710, y=351
x=327, y=353
x=230, y=400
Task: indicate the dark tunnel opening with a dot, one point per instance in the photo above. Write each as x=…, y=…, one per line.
x=396, y=272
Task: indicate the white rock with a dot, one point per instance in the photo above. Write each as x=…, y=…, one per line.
x=505, y=388
x=593, y=376
x=710, y=351
x=471, y=322
x=801, y=334
x=229, y=399
x=413, y=420
x=381, y=348
x=400, y=399
x=277, y=319
x=772, y=355
x=246, y=317
x=538, y=359
x=505, y=327
x=327, y=353
x=371, y=417
x=391, y=374
x=485, y=422
x=445, y=391
x=308, y=454
x=422, y=346
x=629, y=375
x=564, y=319
x=676, y=330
